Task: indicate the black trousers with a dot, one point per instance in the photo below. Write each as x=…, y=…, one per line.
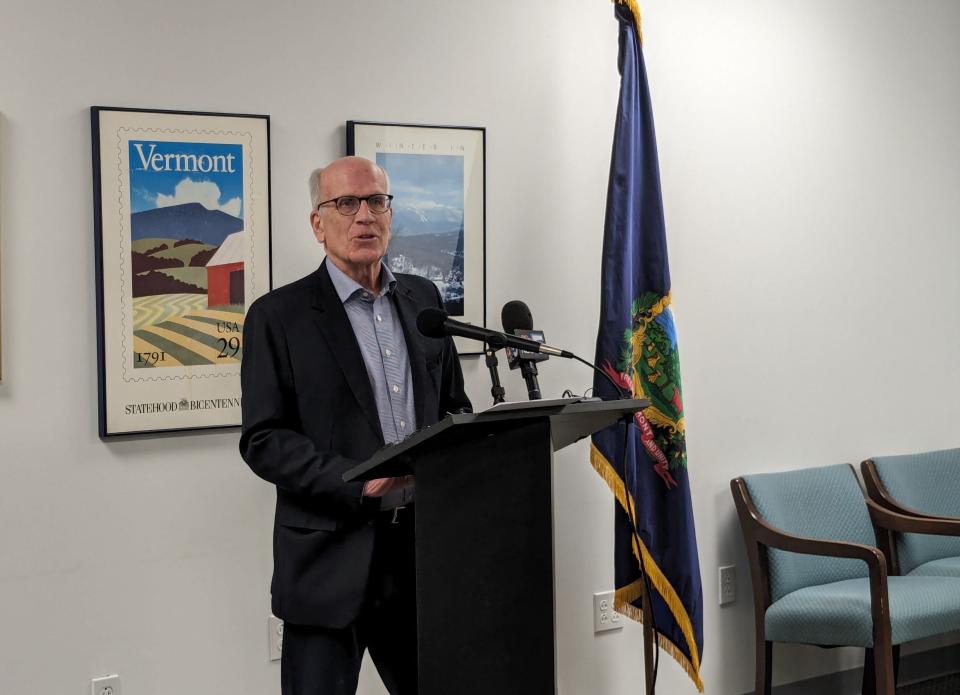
x=323, y=661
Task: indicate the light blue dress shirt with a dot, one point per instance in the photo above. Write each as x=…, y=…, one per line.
x=376, y=325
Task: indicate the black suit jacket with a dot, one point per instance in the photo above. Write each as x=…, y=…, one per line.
x=309, y=415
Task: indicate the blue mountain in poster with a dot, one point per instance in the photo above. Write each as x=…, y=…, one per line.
x=428, y=220
x=189, y=220
x=410, y=219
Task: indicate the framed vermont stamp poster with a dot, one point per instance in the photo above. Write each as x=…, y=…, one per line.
x=182, y=234
x=437, y=178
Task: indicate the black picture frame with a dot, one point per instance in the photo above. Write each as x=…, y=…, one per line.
x=446, y=166
x=182, y=236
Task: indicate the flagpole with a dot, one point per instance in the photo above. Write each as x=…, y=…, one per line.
x=649, y=675
x=649, y=634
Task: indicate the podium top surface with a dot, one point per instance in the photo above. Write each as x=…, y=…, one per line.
x=571, y=419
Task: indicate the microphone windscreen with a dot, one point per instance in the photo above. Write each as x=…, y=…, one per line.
x=516, y=315
x=430, y=322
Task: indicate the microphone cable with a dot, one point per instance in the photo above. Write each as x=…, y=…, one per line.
x=619, y=389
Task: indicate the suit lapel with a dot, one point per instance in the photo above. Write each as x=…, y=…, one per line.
x=337, y=331
x=407, y=308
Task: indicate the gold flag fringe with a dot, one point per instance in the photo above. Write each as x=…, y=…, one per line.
x=659, y=581
x=625, y=596
x=635, y=9
x=666, y=645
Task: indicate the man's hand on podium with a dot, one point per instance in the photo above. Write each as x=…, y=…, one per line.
x=382, y=486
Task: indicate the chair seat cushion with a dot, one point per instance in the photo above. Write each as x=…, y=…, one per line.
x=839, y=613
x=945, y=567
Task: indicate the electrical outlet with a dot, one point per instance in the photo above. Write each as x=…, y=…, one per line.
x=274, y=637
x=728, y=584
x=105, y=685
x=604, y=616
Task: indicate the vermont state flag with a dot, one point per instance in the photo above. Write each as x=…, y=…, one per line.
x=646, y=467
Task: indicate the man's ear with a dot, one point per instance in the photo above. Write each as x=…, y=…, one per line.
x=317, y=224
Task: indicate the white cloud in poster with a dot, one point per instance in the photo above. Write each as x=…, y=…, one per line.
x=207, y=193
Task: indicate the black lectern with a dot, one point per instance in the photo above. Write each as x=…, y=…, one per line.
x=484, y=528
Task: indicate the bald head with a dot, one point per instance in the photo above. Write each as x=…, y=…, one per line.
x=345, y=167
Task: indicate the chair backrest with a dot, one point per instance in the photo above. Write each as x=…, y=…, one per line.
x=825, y=503
x=928, y=483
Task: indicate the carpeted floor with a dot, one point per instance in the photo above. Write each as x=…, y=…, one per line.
x=946, y=685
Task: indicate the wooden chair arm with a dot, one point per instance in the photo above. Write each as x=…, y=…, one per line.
x=905, y=523
x=775, y=538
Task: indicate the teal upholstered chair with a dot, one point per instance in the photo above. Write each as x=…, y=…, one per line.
x=818, y=577
x=919, y=485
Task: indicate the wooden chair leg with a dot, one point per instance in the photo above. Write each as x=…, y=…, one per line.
x=869, y=686
x=883, y=666
x=764, y=666
x=896, y=664
x=882, y=651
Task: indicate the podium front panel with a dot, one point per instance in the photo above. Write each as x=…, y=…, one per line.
x=485, y=566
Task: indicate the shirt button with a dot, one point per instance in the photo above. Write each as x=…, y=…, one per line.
x=366, y=295
x=379, y=317
x=396, y=389
x=387, y=352
x=403, y=424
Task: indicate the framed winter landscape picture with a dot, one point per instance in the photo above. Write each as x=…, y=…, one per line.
x=437, y=178
x=182, y=233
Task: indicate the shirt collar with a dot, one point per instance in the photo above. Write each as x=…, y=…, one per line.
x=347, y=287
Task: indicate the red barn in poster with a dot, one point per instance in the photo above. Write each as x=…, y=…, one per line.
x=225, y=272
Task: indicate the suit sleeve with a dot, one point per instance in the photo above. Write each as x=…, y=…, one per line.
x=271, y=441
x=453, y=397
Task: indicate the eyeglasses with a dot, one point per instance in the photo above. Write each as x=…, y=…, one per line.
x=378, y=203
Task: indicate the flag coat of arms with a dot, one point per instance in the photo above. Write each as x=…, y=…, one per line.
x=646, y=464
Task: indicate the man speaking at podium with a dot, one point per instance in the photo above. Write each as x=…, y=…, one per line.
x=334, y=368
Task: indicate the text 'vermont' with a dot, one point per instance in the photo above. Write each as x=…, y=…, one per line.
x=206, y=164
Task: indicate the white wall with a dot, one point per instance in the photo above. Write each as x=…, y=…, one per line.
x=811, y=176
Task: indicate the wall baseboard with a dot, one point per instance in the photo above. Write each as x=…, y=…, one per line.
x=913, y=669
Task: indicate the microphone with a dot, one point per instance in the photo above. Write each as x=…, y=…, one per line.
x=436, y=323
x=517, y=319
x=516, y=314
